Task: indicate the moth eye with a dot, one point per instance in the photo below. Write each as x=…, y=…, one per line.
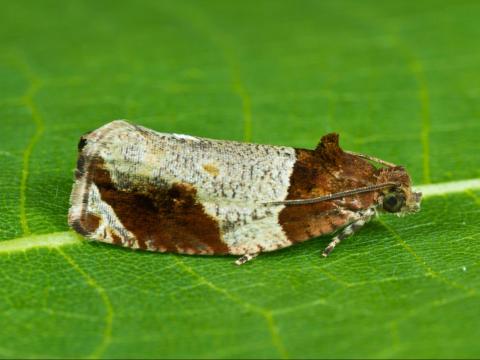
x=393, y=202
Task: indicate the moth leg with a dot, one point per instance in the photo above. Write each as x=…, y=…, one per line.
x=349, y=230
x=247, y=257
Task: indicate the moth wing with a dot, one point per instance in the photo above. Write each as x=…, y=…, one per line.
x=168, y=192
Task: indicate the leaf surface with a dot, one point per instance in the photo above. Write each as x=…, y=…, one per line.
x=398, y=80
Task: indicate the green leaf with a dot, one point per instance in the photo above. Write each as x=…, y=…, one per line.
x=398, y=80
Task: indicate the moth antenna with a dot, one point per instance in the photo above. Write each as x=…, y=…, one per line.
x=371, y=158
x=333, y=196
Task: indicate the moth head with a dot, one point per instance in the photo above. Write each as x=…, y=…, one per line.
x=400, y=198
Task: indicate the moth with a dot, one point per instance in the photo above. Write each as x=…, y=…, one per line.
x=142, y=189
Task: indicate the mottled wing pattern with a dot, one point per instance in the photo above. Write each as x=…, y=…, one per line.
x=167, y=192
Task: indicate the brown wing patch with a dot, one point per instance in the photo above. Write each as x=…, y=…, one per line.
x=322, y=171
x=86, y=224
x=162, y=219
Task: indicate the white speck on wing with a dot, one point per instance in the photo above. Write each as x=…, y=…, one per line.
x=185, y=137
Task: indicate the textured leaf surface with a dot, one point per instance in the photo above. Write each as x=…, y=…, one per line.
x=396, y=79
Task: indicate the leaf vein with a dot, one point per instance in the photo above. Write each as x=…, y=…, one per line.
x=29, y=103
x=109, y=313
x=424, y=97
x=266, y=314
x=429, y=270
